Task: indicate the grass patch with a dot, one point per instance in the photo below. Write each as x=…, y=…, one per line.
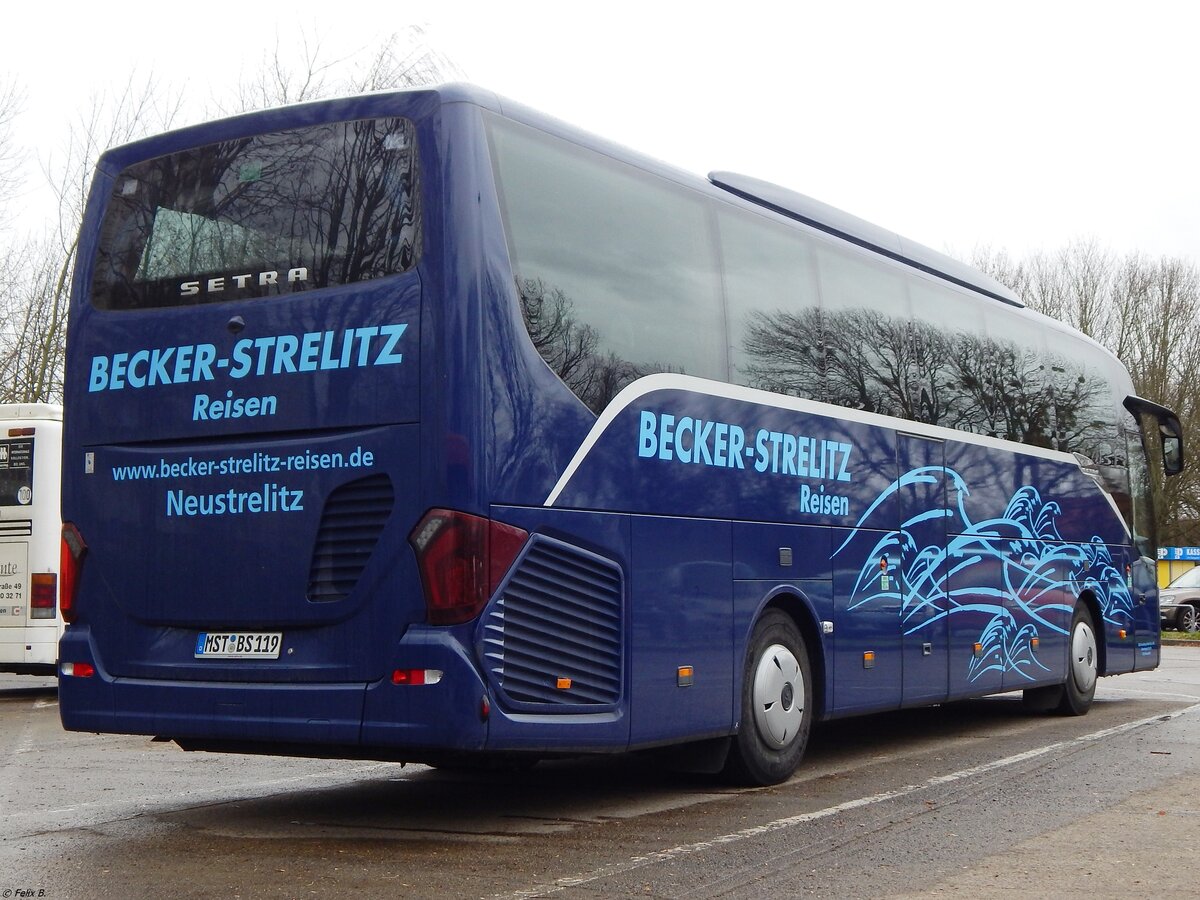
x=1181, y=635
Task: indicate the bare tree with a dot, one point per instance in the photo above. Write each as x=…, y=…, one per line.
x=10, y=154
x=33, y=311
x=280, y=79
x=1086, y=270
x=10, y=161
x=403, y=59
x=31, y=317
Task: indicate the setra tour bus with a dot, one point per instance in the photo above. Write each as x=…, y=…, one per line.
x=31, y=621
x=420, y=426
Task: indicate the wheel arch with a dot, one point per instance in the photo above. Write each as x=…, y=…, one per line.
x=800, y=609
x=1092, y=604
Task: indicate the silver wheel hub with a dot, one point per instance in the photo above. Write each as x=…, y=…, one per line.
x=778, y=696
x=1083, y=656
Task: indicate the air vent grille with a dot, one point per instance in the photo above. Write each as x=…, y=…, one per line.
x=351, y=524
x=554, y=635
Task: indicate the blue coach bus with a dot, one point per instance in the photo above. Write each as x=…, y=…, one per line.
x=421, y=426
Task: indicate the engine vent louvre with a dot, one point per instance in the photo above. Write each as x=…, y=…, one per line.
x=554, y=635
x=351, y=523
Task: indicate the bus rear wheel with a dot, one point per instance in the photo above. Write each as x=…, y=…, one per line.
x=776, y=704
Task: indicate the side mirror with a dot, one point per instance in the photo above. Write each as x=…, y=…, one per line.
x=1169, y=430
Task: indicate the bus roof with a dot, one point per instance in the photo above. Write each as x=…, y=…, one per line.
x=859, y=231
x=780, y=200
x=31, y=411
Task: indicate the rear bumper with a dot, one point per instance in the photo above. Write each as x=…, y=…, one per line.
x=31, y=650
x=349, y=716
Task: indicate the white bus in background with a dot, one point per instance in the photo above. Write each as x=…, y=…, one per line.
x=30, y=535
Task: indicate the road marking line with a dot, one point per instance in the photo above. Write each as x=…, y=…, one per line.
x=638, y=862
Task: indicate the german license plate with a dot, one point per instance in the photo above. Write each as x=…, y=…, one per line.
x=238, y=644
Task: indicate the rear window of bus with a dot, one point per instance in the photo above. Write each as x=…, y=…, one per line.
x=262, y=216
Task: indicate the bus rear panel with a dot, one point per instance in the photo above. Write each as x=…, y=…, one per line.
x=246, y=444
x=30, y=619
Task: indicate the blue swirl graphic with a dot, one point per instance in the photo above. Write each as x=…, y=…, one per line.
x=1016, y=569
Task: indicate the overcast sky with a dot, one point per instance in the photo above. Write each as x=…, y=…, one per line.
x=1018, y=125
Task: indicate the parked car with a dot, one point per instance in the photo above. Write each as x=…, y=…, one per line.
x=1179, y=602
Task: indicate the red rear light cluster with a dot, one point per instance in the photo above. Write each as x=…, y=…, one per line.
x=43, y=595
x=70, y=563
x=462, y=559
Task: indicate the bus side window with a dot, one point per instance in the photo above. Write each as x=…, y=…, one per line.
x=615, y=267
x=865, y=311
x=776, y=338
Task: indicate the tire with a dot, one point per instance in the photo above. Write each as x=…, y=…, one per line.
x=1083, y=665
x=776, y=705
x=1187, y=618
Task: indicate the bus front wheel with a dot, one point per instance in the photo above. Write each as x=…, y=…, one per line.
x=776, y=704
x=1083, y=666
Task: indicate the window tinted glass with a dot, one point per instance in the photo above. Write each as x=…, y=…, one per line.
x=1005, y=379
x=1142, y=477
x=945, y=333
x=771, y=296
x=615, y=268
x=262, y=215
x=618, y=278
x=865, y=326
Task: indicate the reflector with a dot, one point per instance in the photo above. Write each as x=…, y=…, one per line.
x=416, y=676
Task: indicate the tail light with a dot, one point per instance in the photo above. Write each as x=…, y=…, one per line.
x=462, y=559
x=417, y=676
x=43, y=595
x=70, y=563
